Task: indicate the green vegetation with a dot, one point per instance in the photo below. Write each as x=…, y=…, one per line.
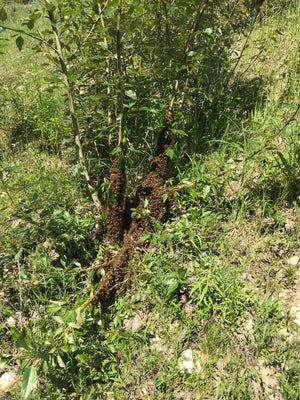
x=90, y=313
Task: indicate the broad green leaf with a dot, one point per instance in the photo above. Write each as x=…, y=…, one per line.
x=69, y=316
x=34, y=17
x=21, y=343
x=109, y=11
x=15, y=333
x=170, y=153
x=131, y=94
x=145, y=236
x=140, y=53
x=146, y=202
x=117, y=321
x=78, y=315
x=63, y=260
x=82, y=358
x=115, y=151
x=64, y=236
x=3, y=14
x=52, y=308
x=76, y=169
x=171, y=281
x=45, y=366
x=50, y=6
x=34, y=197
x=165, y=197
x=60, y=361
x=19, y=42
x=58, y=319
x=206, y=190
x=12, y=168
x=179, y=132
x=28, y=381
x=30, y=24
x=193, y=192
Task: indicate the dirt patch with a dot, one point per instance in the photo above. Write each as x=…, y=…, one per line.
x=126, y=232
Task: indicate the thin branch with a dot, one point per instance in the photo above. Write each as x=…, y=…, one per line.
x=107, y=67
x=74, y=118
x=30, y=35
x=119, y=68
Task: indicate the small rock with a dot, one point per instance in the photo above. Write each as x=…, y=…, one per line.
x=293, y=261
x=189, y=361
x=11, y=322
x=134, y=324
x=7, y=378
x=157, y=344
x=295, y=311
x=249, y=325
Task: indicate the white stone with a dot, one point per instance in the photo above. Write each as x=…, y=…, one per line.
x=7, y=378
x=293, y=261
x=11, y=322
x=189, y=361
x=295, y=311
x=134, y=324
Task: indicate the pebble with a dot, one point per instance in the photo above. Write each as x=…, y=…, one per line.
x=189, y=361
x=293, y=261
x=7, y=378
x=295, y=311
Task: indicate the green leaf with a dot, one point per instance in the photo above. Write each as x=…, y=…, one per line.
x=115, y=151
x=109, y=11
x=12, y=168
x=131, y=94
x=30, y=24
x=171, y=280
x=45, y=366
x=64, y=236
x=117, y=321
x=60, y=361
x=165, y=197
x=69, y=316
x=146, y=202
x=193, y=192
x=34, y=17
x=52, y=308
x=82, y=358
x=50, y=6
x=19, y=42
x=15, y=333
x=63, y=260
x=140, y=53
x=170, y=153
x=145, y=236
x=21, y=343
x=28, y=381
x=3, y=14
x=206, y=190
x=35, y=197
x=179, y=132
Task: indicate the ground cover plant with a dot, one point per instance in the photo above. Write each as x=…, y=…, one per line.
x=149, y=175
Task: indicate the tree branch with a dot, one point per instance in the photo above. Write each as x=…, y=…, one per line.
x=119, y=68
x=74, y=118
x=30, y=35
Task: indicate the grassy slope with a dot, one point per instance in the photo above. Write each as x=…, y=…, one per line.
x=234, y=243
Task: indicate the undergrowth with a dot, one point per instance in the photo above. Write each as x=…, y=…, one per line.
x=214, y=277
